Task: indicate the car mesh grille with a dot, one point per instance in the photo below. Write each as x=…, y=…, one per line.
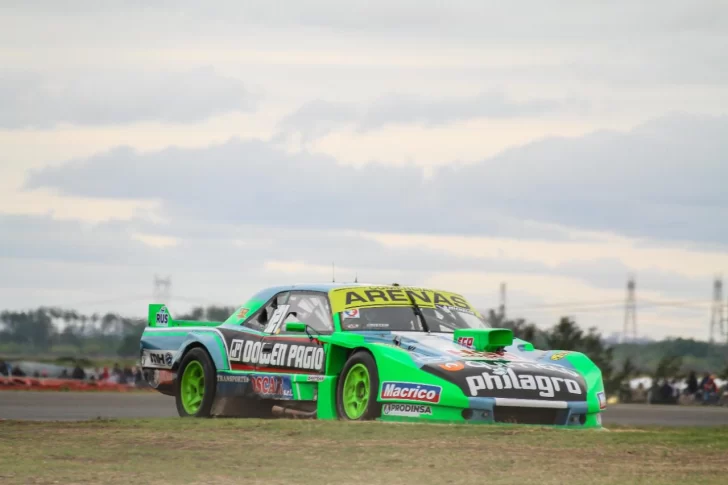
x=522, y=415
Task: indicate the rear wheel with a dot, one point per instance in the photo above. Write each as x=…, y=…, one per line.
x=195, y=384
x=356, y=392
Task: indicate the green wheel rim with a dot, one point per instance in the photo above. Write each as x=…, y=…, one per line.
x=192, y=388
x=356, y=391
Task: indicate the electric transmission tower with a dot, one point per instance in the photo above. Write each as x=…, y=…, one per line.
x=717, y=315
x=630, y=312
x=724, y=322
x=162, y=289
x=502, y=308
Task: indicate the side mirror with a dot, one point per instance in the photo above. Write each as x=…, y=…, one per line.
x=295, y=327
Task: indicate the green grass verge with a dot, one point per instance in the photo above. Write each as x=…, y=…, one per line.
x=275, y=452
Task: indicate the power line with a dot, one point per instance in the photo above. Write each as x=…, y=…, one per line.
x=568, y=304
x=609, y=303
x=123, y=299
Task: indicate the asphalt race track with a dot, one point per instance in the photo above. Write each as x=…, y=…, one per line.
x=71, y=406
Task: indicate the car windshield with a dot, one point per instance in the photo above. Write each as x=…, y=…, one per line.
x=403, y=318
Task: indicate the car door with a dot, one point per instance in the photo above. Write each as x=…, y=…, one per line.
x=244, y=346
x=296, y=352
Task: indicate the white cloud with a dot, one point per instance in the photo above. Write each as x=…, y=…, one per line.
x=661, y=180
x=156, y=241
x=634, y=254
x=151, y=146
x=34, y=100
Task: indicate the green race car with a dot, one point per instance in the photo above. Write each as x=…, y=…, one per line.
x=364, y=352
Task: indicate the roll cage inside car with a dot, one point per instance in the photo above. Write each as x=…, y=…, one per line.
x=307, y=306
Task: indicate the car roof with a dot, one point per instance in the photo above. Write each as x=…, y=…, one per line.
x=266, y=293
x=318, y=286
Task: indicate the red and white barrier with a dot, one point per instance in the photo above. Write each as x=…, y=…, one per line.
x=49, y=384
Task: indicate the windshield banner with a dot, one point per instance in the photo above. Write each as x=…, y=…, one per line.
x=392, y=296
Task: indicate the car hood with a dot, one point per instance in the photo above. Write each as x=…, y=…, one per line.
x=517, y=374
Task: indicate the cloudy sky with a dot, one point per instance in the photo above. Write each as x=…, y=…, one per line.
x=557, y=147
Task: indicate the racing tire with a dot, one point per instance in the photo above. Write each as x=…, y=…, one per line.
x=195, y=385
x=357, y=389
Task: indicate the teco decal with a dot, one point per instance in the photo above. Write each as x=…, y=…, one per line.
x=466, y=341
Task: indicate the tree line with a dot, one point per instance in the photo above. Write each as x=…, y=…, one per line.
x=50, y=330
x=667, y=359
x=56, y=331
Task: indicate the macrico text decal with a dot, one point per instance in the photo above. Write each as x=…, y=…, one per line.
x=408, y=391
x=285, y=355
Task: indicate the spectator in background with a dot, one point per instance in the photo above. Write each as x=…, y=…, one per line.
x=122, y=377
x=665, y=392
x=710, y=389
x=4, y=371
x=692, y=384
x=640, y=394
x=78, y=373
x=675, y=390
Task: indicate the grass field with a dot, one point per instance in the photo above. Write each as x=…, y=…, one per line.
x=273, y=452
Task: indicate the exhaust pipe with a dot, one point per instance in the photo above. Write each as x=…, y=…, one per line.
x=292, y=413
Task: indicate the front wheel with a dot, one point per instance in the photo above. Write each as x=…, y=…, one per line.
x=356, y=392
x=195, y=384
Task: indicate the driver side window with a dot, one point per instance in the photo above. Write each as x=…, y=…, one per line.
x=269, y=315
x=311, y=308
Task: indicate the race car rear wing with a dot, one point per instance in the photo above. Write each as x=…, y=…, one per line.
x=160, y=317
